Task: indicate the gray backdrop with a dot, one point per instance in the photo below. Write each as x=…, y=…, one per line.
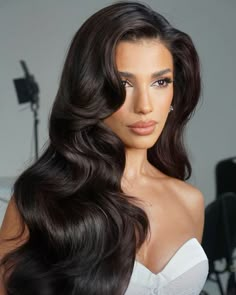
x=40, y=33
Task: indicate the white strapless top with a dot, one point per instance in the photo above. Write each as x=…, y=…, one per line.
x=184, y=274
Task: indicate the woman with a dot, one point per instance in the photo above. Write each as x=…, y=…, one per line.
x=105, y=210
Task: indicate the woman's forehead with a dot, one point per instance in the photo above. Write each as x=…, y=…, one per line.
x=143, y=56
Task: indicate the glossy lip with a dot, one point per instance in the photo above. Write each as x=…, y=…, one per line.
x=143, y=128
x=143, y=124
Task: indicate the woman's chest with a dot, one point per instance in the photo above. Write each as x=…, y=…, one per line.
x=168, y=232
x=171, y=224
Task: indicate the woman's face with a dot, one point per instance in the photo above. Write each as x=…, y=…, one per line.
x=146, y=69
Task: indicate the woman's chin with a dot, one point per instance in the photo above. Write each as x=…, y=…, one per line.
x=141, y=143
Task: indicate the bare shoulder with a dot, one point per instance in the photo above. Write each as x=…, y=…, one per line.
x=189, y=194
x=13, y=231
x=193, y=200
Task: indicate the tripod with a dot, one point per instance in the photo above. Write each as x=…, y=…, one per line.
x=28, y=91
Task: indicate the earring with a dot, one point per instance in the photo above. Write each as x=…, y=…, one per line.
x=171, y=108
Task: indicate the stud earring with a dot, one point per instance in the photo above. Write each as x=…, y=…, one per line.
x=171, y=108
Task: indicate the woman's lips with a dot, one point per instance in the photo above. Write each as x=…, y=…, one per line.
x=143, y=128
x=143, y=124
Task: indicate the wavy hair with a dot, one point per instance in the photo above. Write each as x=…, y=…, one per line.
x=84, y=231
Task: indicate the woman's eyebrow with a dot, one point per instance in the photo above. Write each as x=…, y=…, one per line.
x=153, y=75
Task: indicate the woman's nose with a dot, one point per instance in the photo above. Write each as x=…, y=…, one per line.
x=143, y=102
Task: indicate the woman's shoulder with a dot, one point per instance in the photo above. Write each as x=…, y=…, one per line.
x=183, y=190
x=193, y=201
x=184, y=187
x=187, y=193
x=13, y=231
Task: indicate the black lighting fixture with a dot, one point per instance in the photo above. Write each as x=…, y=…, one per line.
x=28, y=91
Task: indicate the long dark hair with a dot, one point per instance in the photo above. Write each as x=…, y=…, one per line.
x=84, y=231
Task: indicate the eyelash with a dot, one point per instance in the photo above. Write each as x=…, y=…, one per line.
x=165, y=80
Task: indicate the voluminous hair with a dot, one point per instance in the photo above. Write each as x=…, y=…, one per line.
x=84, y=231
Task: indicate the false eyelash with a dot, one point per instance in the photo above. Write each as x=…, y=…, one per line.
x=125, y=81
x=167, y=80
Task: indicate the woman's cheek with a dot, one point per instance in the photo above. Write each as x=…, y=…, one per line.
x=120, y=114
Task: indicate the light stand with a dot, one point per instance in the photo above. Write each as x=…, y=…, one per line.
x=28, y=91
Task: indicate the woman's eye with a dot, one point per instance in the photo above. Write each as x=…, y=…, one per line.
x=163, y=82
x=125, y=83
